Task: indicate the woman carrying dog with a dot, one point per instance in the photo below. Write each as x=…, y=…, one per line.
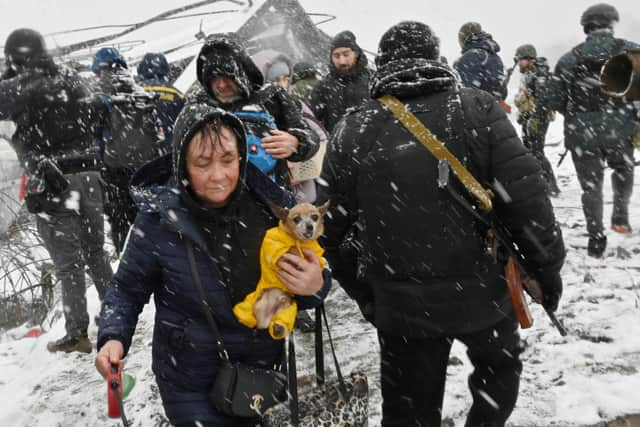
x=209, y=196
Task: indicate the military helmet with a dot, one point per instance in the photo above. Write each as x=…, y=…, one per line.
x=23, y=46
x=601, y=15
x=526, y=51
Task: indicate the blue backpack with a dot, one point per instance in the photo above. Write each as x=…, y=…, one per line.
x=257, y=125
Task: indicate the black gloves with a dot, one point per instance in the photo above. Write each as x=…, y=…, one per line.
x=551, y=283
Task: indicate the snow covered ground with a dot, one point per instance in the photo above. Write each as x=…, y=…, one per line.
x=582, y=379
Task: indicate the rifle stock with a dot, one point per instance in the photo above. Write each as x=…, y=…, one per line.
x=531, y=285
x=516, y=290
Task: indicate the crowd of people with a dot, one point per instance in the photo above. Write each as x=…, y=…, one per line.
x=187, y=192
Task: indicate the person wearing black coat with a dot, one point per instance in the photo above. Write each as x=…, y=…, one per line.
x=346, y=85
x=153, y=72
x=419, y=267
x=598, y=130
x=207, y=194
x=229, y=79
x=55, y=124
x=114, y=79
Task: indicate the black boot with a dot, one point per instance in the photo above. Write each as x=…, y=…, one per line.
x=596, y=246
x=68, y=344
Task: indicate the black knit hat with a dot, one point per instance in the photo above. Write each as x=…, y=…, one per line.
x=408, y=39
x=345, y=39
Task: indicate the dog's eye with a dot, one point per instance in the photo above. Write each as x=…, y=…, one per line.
x=315, y=217
x=297, y=219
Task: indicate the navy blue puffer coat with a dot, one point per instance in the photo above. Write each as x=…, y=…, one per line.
x=480, y=66
x=226, y=244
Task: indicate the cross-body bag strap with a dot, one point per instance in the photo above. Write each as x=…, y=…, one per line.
x=222, y=352
x=437, y=148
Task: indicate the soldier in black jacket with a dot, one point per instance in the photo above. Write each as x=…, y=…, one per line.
x=346, y=85
x=422, y=274
x=55, y=137
x=598, y=130
x=229, y=79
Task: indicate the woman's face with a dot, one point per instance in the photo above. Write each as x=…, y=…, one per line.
x=213, y=164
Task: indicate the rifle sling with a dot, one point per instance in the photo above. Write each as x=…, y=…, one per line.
x=437, y=148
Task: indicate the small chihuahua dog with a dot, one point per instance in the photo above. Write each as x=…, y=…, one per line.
x=272, y=306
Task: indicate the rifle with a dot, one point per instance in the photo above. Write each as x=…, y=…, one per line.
x=514, y=280
x=475, y=189
x=498, y=233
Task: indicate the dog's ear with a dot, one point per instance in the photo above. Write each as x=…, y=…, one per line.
x=280, y=212
x=323, y=208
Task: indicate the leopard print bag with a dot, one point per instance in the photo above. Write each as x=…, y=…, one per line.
x=324, y=406
x=339, y=402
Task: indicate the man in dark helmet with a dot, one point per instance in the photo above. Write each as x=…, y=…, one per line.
x=534, y=116
x=421, y=273
x=597, y=128
x=55, y=141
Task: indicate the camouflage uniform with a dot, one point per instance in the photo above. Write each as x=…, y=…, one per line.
x=535, y=117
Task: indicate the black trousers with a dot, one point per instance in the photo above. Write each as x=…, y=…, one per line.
x=413, y=374
x=590, y=170
x=536, y=144
x=118, y=205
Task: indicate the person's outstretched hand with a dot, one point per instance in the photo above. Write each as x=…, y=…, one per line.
x=111, y=353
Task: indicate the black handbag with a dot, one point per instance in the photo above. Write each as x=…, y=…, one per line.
x=343, y=402
x=239, y=390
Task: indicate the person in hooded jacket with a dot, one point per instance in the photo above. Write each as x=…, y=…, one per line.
x=229, y=79
x=421, y=272
x=480, y=66
x=209, y=196
x=346, y=85
x=534, y=115
x=153, y=72
x=598, y=130
x=54, y=117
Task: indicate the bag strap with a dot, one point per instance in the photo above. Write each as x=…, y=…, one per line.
x=294, y=405
x=319, y=347
x=437, y=148
x=222, y=352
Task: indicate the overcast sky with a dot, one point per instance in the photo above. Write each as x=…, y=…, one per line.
x=551, y=25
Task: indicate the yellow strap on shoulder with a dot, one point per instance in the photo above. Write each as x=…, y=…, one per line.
x=164, y=89
x=437, y=148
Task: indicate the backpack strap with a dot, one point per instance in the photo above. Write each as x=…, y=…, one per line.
x=437, y=148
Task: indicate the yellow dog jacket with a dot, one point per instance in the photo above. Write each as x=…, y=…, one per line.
x=276, y=243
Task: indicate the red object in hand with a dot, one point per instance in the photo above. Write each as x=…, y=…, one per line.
x=22, y=191
x=114, y=385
